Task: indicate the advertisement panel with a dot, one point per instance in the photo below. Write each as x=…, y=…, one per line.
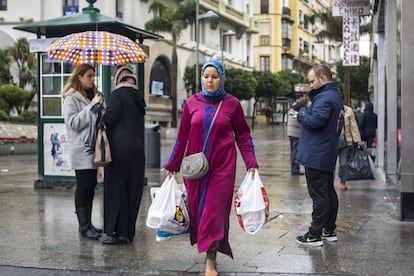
x=350, y=7
x=351, y=41
x=56, y=150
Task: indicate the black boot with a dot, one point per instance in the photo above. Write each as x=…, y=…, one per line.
x=97, y=230
x=84, y=224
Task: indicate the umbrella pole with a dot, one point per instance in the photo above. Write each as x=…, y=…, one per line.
x=106, y=82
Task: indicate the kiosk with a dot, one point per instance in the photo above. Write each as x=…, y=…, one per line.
x=53, y=159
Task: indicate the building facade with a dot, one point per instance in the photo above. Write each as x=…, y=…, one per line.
x=287, y=36
x=392, y=70
x=230, y=38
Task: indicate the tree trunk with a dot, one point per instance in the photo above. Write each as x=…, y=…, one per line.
x=347, y=84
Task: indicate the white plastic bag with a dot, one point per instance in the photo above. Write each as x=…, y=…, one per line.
x=161, y=235
x=168, y=211
x=251, y=203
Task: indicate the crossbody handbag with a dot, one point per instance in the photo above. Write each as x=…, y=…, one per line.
x=195, y=165
x=102, y=148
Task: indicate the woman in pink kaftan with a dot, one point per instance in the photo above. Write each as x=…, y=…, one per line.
x=210, y=198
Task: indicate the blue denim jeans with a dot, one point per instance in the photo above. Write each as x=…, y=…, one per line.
x=294, y=142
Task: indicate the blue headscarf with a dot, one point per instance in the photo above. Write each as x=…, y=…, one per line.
x=219, y=94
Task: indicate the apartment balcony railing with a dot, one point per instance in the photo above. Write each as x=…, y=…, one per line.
x=287, y=35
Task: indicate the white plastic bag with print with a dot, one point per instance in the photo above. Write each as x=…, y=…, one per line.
x=251, y=203
x=168, y=211
x=161, y=235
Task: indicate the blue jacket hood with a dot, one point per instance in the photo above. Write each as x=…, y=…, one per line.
x=369, y=107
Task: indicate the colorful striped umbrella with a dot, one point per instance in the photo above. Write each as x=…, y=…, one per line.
x=96, y=47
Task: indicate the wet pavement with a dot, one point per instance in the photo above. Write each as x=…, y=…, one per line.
x=39, y=230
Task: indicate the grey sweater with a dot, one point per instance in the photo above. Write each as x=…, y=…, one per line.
x=76, y=114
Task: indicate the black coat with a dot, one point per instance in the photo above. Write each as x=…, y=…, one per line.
x=369, y=124
x=124, y=177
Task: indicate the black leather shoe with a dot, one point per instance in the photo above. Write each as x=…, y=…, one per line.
x=97, y=230
x=88, y=233
x=114, y=240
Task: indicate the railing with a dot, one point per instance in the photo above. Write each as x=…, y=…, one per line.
x=287, y=35
x=264, y=40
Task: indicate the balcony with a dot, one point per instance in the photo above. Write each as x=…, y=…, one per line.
x=286, y=12
x=240, y=20
x=253, y=26
x=287, y=21
x=286, y=43
x=287, y=35
x=264, y=40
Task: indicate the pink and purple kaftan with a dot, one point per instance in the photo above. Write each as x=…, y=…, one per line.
x=210, y=198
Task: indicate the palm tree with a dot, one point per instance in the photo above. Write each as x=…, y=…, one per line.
x=5, y=60
x=26, y=68
x=333, y=25
x=333, y=30
x=172, y=20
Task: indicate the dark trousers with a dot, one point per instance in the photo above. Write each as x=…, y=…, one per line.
x=85, y=187
x=369, y=141
x=344, y=155
x=294, y=142
x=325, y=200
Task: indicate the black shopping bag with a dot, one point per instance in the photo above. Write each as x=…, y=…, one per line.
x=358, y=166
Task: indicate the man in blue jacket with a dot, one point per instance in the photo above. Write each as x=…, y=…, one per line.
x=318, y=151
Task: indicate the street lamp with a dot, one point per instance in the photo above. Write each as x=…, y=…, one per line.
x=222, y=36
x=207, y=15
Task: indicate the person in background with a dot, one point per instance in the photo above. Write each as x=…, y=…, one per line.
x=318, y=151
x=293, y=130
x=369, y=124
x=79, y=96
x=350, y=135
x=210, y=198
x=358, y=117
x=268, y=114
x=124, y=176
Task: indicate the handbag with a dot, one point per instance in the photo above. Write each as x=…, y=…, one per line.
x=195, y=165
x=102, y=148
x=90, y=138
x=251, y=203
